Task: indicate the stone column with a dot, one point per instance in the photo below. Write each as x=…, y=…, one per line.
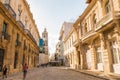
x=93, y=54
x=105, y=53
x=77, y=57
x=83, y=57
x=83, y=61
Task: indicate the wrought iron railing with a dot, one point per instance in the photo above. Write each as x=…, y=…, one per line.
x=9, y=8
x=88, y=34
x=5, y=36
x=21, y=24
x=30, y=35
x=106, y=19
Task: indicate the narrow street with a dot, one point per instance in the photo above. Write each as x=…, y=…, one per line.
x=52, y=73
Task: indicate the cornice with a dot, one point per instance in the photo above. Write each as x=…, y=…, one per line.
x=81, y=17
x=30, y=15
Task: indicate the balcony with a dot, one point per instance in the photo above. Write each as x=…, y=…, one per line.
x=30, y=35
x=21, y=24
x=105, y=20
x=5, y=36
x=11, y=11
x=88, y=34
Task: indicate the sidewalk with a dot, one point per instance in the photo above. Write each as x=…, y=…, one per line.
x=99, y=74
x=17, y=75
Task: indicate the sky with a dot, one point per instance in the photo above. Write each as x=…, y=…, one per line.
x=51, y=14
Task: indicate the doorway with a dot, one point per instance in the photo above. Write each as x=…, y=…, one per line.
x=1, y=58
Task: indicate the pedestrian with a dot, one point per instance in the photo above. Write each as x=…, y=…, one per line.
x=25, y=68
x=4, y=71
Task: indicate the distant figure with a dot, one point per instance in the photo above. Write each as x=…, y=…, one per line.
x=4, y=71
x=25, y=68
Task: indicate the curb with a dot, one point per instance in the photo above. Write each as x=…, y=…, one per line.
x=104, y=78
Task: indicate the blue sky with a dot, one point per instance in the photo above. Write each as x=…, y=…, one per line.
x=51, y=14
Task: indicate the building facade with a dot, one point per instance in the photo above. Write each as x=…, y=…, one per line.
x=19, y=36
x=65, y=42
x=98, y=36
x=57, y=52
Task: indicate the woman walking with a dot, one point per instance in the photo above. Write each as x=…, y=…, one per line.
x=25, y=68
x=5, y=71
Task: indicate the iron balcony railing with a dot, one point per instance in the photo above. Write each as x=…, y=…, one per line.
x=105, y=20
x=30, y=35
x=88, y=34
x=11, y=11
x=5, y=36
x=21, y=24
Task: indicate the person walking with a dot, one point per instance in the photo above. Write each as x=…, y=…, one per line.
x=5, y=71
x=25, y=68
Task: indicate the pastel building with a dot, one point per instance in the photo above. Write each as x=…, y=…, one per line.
x=19, y=36
x=98, y=38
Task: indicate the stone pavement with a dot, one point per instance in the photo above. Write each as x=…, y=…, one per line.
x=53, y=73
x=99, y=74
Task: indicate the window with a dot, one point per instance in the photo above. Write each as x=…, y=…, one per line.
x=23, y=59
x=81, y=30
x=17, y=39
x=25, y=47
x=1, y=58
x=15, y=60
x=94, y=19
x=115, y=51
x=107, y=7
x=4, y=27
x=85, y=28
x=99, y=54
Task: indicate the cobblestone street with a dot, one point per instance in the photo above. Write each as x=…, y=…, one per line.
x=52, y=73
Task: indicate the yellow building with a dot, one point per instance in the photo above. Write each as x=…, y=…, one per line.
x=19, y=36
x=98, y=36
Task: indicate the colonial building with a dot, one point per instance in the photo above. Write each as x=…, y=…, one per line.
x=98, y=36
x=19, y=36
x=65, y=42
